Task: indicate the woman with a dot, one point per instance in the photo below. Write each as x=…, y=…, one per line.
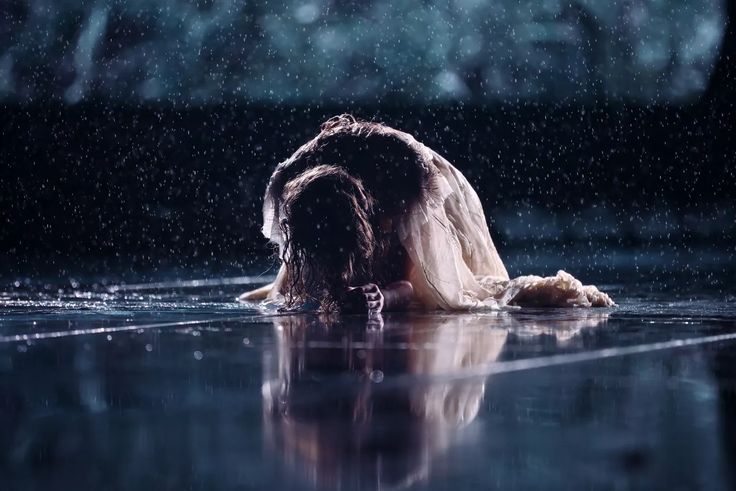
x=367, y=218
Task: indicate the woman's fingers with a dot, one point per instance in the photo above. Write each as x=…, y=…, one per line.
x=373, y=299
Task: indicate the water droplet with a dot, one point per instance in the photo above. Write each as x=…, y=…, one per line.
x=376, y=376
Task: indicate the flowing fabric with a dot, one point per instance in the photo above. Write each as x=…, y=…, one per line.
x=455, y=265
x=449, y=244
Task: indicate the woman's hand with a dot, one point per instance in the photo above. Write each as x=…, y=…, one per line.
x=365, y=298
x=369, y=298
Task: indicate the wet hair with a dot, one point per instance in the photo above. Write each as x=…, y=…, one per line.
x=327, y=200
x=390, y=163
x=328, y=235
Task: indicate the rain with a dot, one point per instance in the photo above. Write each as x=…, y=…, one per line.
x=180, y=309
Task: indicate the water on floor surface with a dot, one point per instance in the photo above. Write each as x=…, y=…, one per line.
x=180, y=388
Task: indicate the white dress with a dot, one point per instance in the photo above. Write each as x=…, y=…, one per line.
x=455, y=265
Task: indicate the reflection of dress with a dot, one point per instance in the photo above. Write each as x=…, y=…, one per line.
x=455, y=265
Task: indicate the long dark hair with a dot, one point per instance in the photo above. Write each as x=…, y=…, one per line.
x=327, y=223
x=391, y=165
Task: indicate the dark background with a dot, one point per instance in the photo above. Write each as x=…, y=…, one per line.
x=106, y=185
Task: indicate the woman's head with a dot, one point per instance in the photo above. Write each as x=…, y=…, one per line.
x=391, y=165
x=326, y=222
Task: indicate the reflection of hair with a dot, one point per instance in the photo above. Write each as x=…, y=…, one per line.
x=330, y=422
x=328, y=235
x=329, y=419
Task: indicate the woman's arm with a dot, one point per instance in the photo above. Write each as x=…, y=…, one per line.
x=397, y=295
x=257, y=294
x=266, y=291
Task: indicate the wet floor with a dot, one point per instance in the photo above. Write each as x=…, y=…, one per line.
x=180, y=388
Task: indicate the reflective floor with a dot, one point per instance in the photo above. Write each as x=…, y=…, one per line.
x=180, y=388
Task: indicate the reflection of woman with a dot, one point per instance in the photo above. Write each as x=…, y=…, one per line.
x=368, y=218
x=372, y=409
x=332, y=410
